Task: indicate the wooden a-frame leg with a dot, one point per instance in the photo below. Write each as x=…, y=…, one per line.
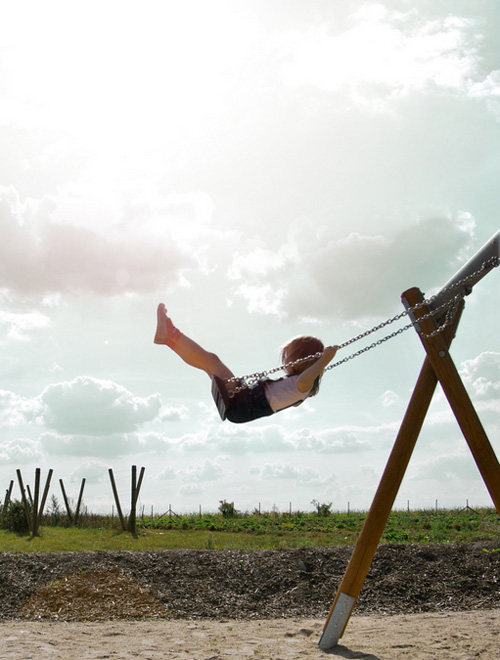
x=381, y=507
x=463, y=408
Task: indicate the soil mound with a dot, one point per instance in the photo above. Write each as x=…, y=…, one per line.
x=244, y=584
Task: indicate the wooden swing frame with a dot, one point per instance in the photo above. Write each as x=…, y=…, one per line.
x=438, y=366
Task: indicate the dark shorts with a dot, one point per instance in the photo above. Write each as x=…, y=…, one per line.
x=245, y=406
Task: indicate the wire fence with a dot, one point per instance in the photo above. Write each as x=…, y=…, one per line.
x=127, y=507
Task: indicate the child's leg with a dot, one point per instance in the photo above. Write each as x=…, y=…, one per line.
x=187, y=349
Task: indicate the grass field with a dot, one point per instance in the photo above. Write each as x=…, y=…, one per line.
x=257, y=531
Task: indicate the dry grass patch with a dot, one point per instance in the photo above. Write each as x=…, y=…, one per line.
x=92, y=596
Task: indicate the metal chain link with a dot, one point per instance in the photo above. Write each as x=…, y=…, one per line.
x=450, y=306
x=450, y=315
x=447, y=322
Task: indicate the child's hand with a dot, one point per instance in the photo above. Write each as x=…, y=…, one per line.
x=307, y=377
x=330, y=352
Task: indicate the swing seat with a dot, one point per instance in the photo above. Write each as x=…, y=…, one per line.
x=220, y=395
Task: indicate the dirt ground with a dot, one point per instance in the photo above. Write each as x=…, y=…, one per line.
x=419, y=601
x=445, y=636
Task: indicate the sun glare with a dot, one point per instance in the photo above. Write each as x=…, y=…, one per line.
x=129, y=78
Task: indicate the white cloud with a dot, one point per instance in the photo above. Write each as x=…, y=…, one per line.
x=354, y=277
x=252, y=440
x=16, y=409
x=109, y=445
x=286, y=471
x=383, y=55
x=488, y=90
x=279, y=471
x=274, y=438
x=155, y=442
x=440, y=416
x=188, y=490
x=261, y=261
x=167, y=473
x=90, y=406
x=93, y=471
x=198, y=441
x=173, y=413
x=20, y=325
x=388, y=399
x=43, y=258
x=208, y=471
x=342, y=439
x=482, y=375
x=489, y=87
x=447, y=468
x=21, y=450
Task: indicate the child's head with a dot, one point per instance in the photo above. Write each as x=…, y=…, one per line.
x=299, y=348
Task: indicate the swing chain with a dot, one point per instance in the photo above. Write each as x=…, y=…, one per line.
x=450, y=306
x=450, y=315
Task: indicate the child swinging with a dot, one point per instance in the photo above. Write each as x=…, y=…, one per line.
x=266, y=396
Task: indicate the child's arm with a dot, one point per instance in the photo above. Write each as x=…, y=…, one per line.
x=306, y=379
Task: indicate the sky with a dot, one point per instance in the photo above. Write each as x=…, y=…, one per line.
x=265, y=169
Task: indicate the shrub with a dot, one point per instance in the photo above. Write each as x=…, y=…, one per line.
x=14, y=519
x=323, y=509
x=227, y=509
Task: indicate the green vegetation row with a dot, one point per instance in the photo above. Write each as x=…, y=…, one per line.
x=229, y=528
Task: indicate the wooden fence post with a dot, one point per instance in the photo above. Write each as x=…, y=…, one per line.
x=34, y=512
x=34, y=516
x=24, y=500
x=30, y=496
x=8, y=494
x=136, y=487
x=79, y=503
x=73, y=519
x=66, y=502
x=130, y=525
x=44, y=499
x=132, y=518
x=117, y=500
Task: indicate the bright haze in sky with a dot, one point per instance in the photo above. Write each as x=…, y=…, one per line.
x=265, y=169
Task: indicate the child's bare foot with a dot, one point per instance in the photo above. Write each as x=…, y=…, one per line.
x=165, y=328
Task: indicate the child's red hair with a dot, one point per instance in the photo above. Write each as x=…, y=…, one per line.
x=299, y=348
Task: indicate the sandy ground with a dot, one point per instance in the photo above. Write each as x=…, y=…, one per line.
x=450, y=635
